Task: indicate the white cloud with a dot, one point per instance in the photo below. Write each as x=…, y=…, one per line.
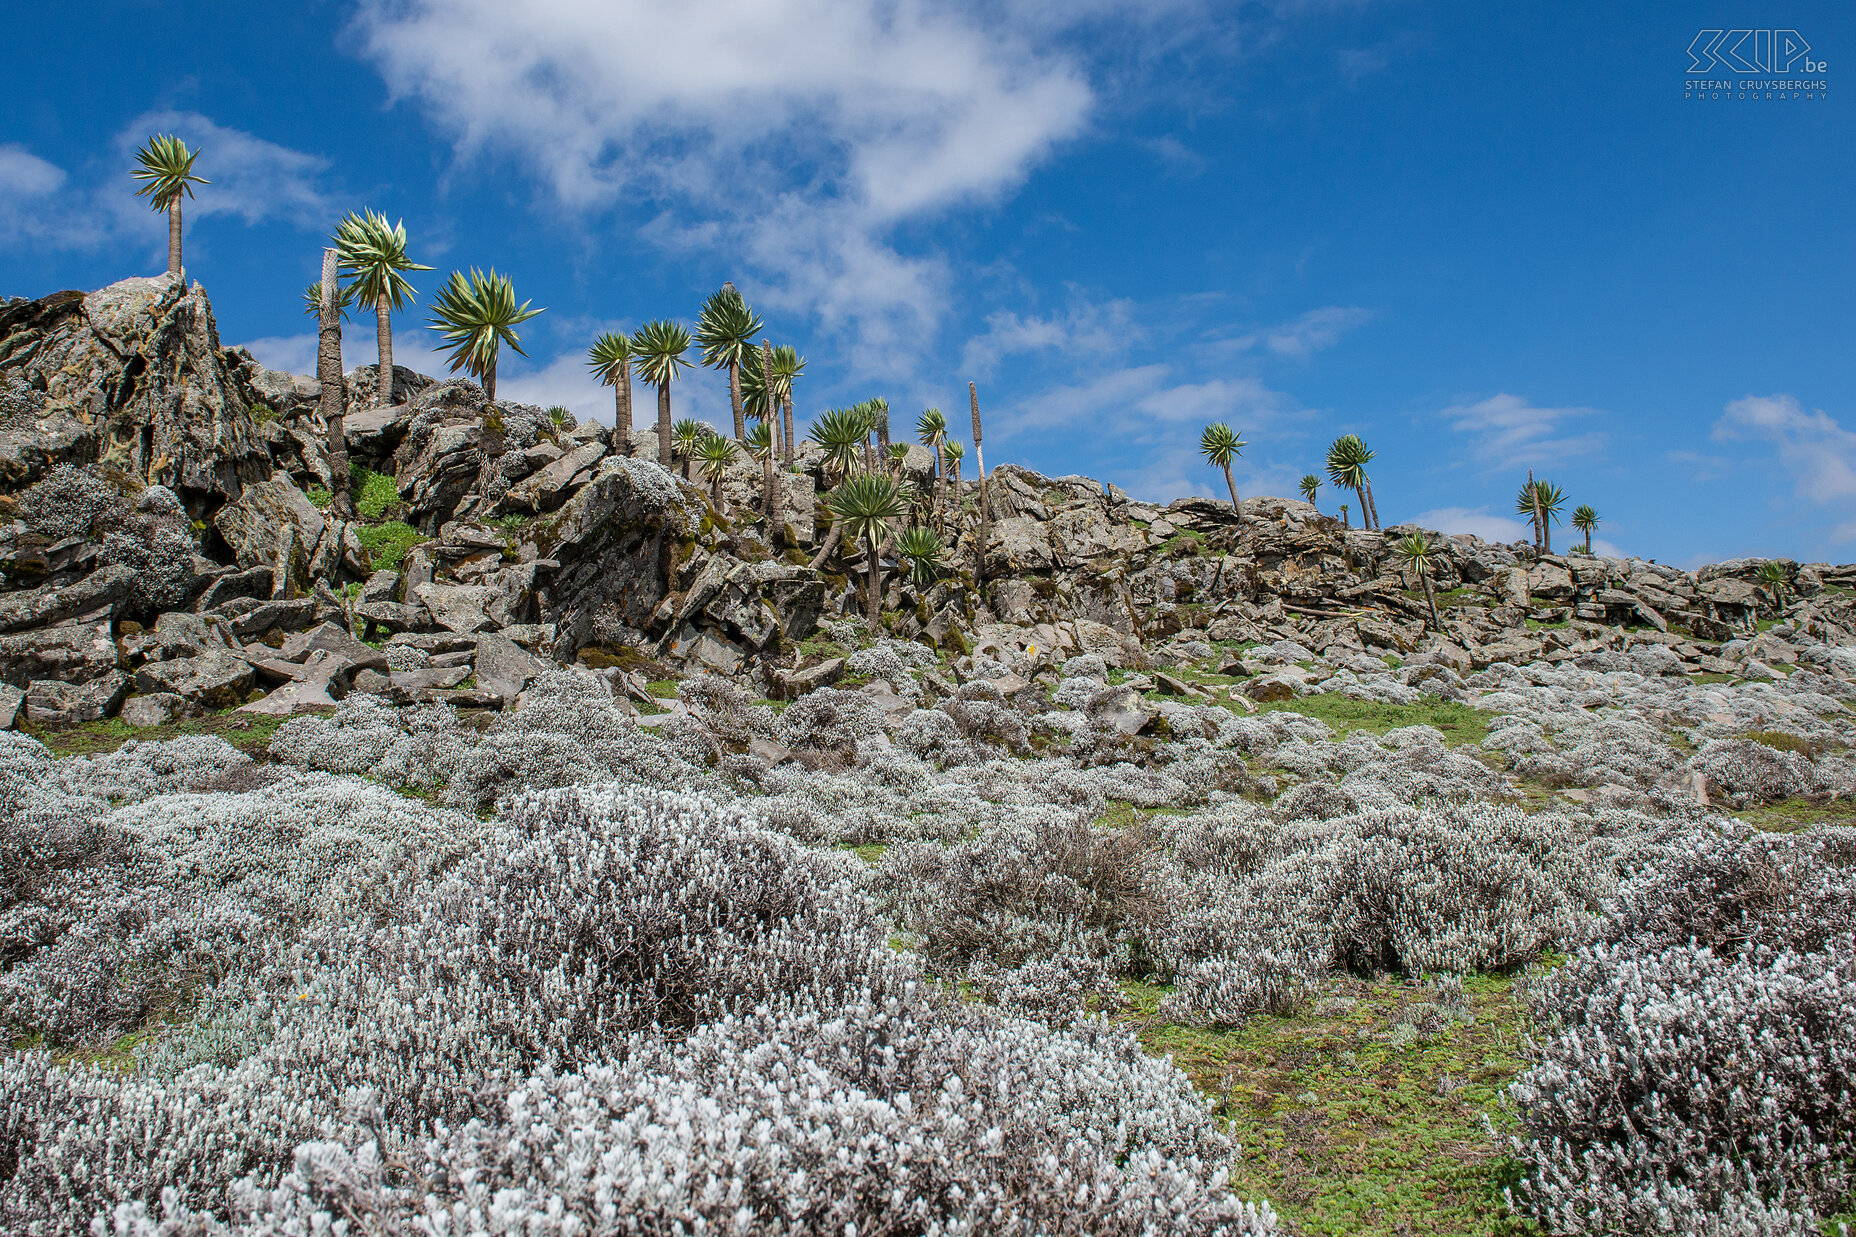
x=1812, y=447
x=565, y=381
x=251, y=177
x=1701, y=467
x=1087, y=328
x=293, y=354
x=797, y=132
x=1478, y=522
x=1239, y=401
x=32, y=207
x=25, y=175
x=1509, y=432
x=1314, y=331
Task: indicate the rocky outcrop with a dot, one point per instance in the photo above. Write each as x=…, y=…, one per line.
x=130, y=377
x=161, y=532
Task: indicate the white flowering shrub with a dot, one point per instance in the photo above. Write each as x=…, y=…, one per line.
x=1269, y=908
x=1748, y=771
x=1699, y=1056
x=636, y=1010
x=1028, y=893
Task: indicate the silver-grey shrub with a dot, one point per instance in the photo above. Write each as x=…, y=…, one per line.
x=635, y=1009
x=1698, y=1058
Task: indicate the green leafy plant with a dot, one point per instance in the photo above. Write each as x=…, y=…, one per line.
x=1541, y=502
x=476, y=315
x=685, y=436
x=715, y=453
x=312, y=299
x=840, y=432
x=164, y=165
x=1220, y=445
x=610, y=359
x=658, y=348
x=725, y=331
x=1347, y=459
x=922, y=549
x=375, y=493
x=373, y=252
x=1585, y=519
x=1777, y=579
x=788, y=365
x=864, y=506
x=387, y=544
x=1310, y=485
x=1415, y=551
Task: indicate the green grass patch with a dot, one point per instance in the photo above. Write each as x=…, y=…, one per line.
x=869, y=852
x=1123, y=814
x=1780, y=741
x=249, y=732
x=374, y=493
x=1709, y=676
x=1362, y=1115
x=387, y=544
x=319, y=498
x=1457, y=721
x=1791, y=815
x=663, y=689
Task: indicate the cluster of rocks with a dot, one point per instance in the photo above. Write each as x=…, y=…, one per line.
x=166, y=546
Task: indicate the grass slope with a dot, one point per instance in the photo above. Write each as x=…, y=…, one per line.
x=1363, y=1114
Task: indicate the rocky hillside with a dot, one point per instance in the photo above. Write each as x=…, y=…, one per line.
x=167, y=548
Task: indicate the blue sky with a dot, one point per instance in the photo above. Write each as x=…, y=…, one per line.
x=1486, y=237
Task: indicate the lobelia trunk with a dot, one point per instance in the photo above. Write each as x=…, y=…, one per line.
x=734, y=400
x=383, y=333
x=786, y=409
x=770, y=478
x=873, y=603
x=1430, y=600
x=663, y=427
x=832, y=541
x=174, y=237
x=940, y=488
x=622, y=415
x=1370, y=507
x=1236, y=509
x=329, y=375
x=979, y=462
x=489, y=385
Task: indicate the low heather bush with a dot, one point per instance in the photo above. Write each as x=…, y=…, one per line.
x=1698, y=1058
x=630, y=1010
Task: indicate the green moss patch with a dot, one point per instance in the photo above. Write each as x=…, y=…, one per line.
x=1363, y=1115
x=249, y=732
x=1459, y=723
x=387, y=544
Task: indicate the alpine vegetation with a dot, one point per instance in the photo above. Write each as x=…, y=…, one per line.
x=423, y=812
x=705, y=1013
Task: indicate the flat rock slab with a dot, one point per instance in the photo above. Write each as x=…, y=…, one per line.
x=213, y=680
x=458, y=607
x=291, y=698
x=505, y=667
x=155, y=709
x=332, y=638
x=53, y=703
